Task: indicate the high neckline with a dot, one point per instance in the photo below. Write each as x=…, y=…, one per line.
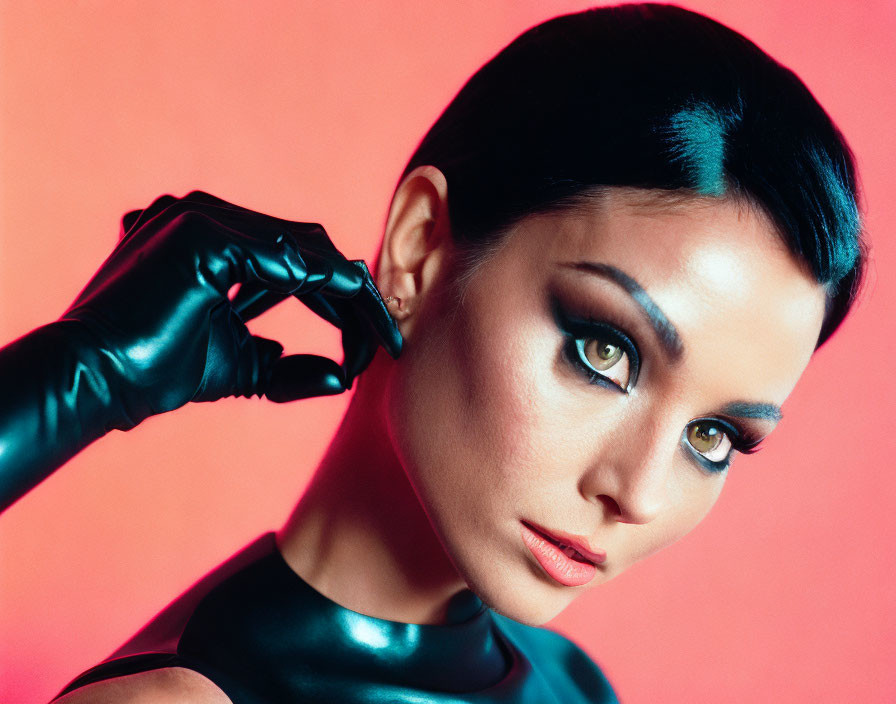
x=263, y=635
x=465, y=654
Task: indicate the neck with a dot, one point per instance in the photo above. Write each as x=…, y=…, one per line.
x=359, y=535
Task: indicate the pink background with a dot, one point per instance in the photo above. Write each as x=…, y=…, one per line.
x=309, y=111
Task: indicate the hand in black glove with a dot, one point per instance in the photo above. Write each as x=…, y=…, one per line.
x=155, y=329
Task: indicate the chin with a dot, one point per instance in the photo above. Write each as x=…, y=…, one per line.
x=526, y=598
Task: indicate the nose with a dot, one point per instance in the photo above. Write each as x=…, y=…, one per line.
x=632, y=472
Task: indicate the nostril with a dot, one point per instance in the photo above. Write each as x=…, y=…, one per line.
x=610, y=505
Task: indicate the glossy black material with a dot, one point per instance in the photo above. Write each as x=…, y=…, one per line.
x=154, y=329
x=263, y=635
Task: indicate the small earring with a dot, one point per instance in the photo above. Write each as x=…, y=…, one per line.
x=394, y=299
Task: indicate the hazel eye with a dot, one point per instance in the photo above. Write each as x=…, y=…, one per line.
x=602, y=355
x=600, y=351
x=605, y=358
x=710, y=440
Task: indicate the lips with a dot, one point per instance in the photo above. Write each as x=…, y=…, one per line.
x=564, y=558
x=568, y=542
x=569, y=550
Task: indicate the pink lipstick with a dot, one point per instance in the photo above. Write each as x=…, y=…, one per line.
x=566, y=558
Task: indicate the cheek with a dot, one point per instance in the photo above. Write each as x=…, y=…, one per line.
x=501, y=403
x=471, y=408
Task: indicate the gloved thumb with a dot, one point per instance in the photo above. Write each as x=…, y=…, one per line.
x=303, y=376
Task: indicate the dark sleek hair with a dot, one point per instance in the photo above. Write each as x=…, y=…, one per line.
x=656, y=97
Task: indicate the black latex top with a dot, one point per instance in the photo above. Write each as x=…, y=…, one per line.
x=262, y=634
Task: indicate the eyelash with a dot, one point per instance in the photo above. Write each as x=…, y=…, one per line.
x=742, y=441
x=577, y=329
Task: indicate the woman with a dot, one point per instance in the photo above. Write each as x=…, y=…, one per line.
x=585, y=257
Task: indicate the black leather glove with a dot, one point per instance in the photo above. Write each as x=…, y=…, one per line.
x=154, y=329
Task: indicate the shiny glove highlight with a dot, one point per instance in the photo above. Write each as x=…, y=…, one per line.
x=154, y=329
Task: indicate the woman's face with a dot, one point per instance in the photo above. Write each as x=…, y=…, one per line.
x=592, y=384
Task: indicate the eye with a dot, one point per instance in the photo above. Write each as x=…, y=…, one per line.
x=600, y=351
x=606, y=358
x=711, y=440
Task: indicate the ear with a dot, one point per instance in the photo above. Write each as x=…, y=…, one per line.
x=416, y=243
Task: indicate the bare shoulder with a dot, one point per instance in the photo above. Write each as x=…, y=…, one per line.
x=162, y=686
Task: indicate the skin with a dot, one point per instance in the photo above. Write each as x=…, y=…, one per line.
x=483, y=422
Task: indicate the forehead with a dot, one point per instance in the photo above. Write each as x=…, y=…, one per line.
x=715, y=267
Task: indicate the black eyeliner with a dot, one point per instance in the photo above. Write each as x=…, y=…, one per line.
x=576, y=327
x=742, y=441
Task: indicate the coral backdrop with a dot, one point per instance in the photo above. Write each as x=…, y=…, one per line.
x=308, y=111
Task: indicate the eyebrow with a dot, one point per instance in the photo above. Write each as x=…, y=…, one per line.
x=668, y=335
x=664, y=329
x=749, y=409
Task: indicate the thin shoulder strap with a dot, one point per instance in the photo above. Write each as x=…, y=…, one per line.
x=119, y=667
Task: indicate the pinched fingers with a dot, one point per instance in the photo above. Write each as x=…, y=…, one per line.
x=362, y=317
x=271, y=259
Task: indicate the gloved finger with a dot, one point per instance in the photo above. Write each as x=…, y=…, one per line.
x=262, y=371
x=311, y=235
x=358, y=342
x=326, y=309
x=330, y=274
x=359, y=348
x=159, y=205
x=368, y=312
x=208, y=199
x=370, y=307
x=325, y=266
x=241, y=364
x=235, y=257
x=170, y=207
x=252, y=299
x=313, y=264
x=127, y=222
x=303, y=376
x=256, y=364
